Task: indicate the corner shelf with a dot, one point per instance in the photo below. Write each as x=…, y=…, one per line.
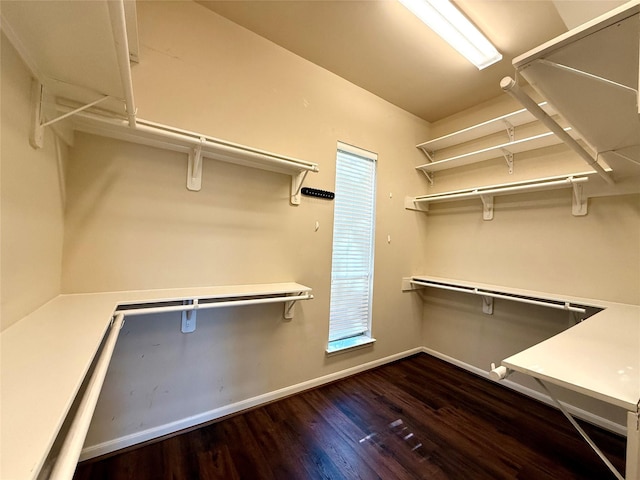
x=49, y=353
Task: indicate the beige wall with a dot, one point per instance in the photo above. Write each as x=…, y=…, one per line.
x=32, y=198
x=131, y=222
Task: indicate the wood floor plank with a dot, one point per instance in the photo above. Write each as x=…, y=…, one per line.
x=417, y=418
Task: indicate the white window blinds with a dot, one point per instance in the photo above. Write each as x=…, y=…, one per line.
x=353, y=235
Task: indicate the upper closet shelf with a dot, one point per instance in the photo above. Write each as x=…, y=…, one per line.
x=590, y=75
x=506, y=149
x=80, y=54
x=502, y=123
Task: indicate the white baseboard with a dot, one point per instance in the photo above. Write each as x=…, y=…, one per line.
x=104, y=448
x=529, y=392
x=110, y=446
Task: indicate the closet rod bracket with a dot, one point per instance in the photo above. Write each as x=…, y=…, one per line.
x=487, y=305
x=194, y=167
x=189, y=316
x=297, y=179
x=579, y=200
x=487, y=207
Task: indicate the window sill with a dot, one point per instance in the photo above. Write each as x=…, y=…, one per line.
x=348, y=344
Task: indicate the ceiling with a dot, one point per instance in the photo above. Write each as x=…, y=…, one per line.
x=380, y=46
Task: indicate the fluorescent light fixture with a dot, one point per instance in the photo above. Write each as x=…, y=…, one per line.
x=448, y=22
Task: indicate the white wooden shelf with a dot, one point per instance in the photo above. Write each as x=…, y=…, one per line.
x=197, y=146
x=487, y=193
x=436, y=150
x=498, y=124
x=517, y=146
x=47, y=354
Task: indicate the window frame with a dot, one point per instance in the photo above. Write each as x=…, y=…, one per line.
x=362, y=338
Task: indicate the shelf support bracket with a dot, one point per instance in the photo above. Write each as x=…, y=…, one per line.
x=189, y=317
x=194, y=168
x=487, y=305
x=511, y=130
x=487, y=207
x=411, y=204
x=508, y=156
x=296, y=186
x=579, y=201
x=429, y=176
x=36, y=137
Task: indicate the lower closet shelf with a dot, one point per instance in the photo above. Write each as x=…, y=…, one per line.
x=47, y=355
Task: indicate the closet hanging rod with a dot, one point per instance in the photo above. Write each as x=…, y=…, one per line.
x=510, y=86
x=69, y=453
x=488, y=293
x=477, y=192
x=202, y=306
x=182, y=140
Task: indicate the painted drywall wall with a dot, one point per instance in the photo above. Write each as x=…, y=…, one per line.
x=532, y=243
x=131, y=223
x=32, y=200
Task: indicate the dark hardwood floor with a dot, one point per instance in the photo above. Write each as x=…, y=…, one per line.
x=417, y=418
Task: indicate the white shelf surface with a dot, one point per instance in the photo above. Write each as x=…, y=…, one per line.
x=599, y=357
x=46, y=355
x=489, y=127
x=517, y=146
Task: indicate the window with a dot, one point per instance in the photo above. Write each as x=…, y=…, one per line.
x=352, y=258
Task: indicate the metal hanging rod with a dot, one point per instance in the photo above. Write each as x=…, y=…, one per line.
x=501, y=189
x=564, y=305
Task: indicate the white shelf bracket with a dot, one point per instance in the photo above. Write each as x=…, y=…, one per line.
x=36, y=138
x=508, y=156
x=487, y=207
x=411, y=204
x=189, y=317
x=511, y=130
x=194, y=168
x=429, y=176
x=429, y=154
x=288, y=307
x=579, y=201
x=487, y=305
x=296, y=186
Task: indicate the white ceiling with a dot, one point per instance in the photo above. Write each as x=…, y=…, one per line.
x=382, y=47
